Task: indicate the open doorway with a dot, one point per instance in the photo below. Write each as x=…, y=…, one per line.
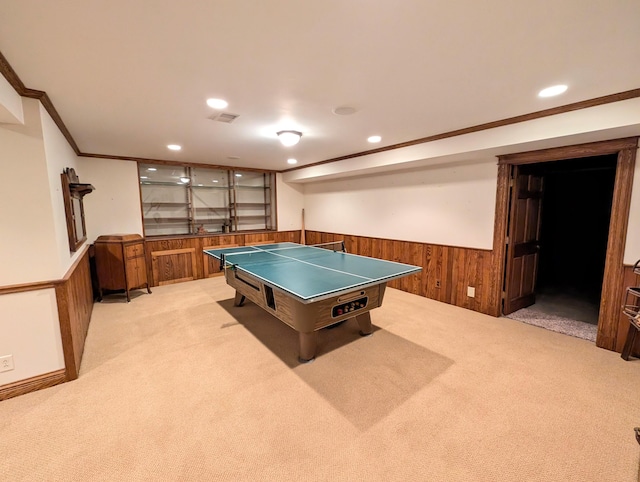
x=573, y=228
x=517, y=249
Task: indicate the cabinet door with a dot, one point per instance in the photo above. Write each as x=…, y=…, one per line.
x=135, y=266
x=109, y=266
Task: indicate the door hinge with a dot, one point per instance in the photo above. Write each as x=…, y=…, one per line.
x=504, y=295
x=507, y=239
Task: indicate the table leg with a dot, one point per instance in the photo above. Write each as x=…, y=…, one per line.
x=239, y=300
x=364, y=322
x=307, y=346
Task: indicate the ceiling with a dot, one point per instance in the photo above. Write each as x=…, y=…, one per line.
x=130, y=77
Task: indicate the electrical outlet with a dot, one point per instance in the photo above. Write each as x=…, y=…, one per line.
x=437, y=283
x=471, y=292
x=6, y=363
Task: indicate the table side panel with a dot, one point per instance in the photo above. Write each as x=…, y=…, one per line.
x=303, y=317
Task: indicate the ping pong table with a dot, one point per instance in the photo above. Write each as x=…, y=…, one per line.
x=309, y=287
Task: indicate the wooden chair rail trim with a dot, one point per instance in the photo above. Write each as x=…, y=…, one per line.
x=39, y=285
x=32, y=384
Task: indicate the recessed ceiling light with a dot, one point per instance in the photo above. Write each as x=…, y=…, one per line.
x=174, y=147
x=144, y=177
x=184, y=179
x=151, y=169
x=238, y=175
x=217, y=103
x=292, y=161
x=374, y=139
x=553, y=90
x=215, y=180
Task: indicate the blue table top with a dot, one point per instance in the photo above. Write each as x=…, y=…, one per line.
x=307, y=272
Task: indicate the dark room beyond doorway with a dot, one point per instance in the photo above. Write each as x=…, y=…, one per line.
x=576, y=211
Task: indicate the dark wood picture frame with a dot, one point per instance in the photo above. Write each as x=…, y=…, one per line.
x=72, y=193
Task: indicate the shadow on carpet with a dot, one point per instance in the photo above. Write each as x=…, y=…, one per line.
x=559, y=324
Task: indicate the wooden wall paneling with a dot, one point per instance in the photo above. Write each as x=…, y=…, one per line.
x=259, y=238
x=312, y=237
x=174, y=266
x=287, y=236
x=458, y=280
x=364, y=246
x=411, y=253
x=74, y=296
x=169, y=245
x=211, y=266
x=206, y=265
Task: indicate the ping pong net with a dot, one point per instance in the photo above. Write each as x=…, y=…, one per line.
x=261, y=253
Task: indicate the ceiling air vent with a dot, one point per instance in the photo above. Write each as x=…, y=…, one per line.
x=224, y=117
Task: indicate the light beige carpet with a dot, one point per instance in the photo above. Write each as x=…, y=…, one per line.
x=181, y=385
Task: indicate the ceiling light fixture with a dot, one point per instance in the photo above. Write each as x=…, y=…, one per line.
x=292, y=161
x=174, y=147
x=289, y=138
x=217, y=103
x=553, y=90
x=185, y=180
x=374, y=139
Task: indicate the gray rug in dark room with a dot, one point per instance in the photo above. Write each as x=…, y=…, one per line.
x=579, y=329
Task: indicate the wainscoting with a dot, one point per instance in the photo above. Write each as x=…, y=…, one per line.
x=74, y=297
x=181, y=258
x=447, y=271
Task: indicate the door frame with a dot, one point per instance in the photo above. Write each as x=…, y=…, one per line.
x=612, y=285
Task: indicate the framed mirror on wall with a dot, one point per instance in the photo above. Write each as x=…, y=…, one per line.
x=73, y=191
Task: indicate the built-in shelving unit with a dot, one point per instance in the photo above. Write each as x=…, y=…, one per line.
x=200, y=200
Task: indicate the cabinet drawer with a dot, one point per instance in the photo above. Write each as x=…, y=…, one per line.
x=134, y=250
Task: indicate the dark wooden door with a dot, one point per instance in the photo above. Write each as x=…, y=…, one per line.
x=523, y=241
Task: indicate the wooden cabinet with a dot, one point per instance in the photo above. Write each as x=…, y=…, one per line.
x=121, y=263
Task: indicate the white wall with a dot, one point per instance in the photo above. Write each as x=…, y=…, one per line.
x=450, y=205
x=114, y=206
x=59, y=155
x=28, y=250
x=10, y=104
x=290, y=202
x=32, y=223
x=30, y=333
